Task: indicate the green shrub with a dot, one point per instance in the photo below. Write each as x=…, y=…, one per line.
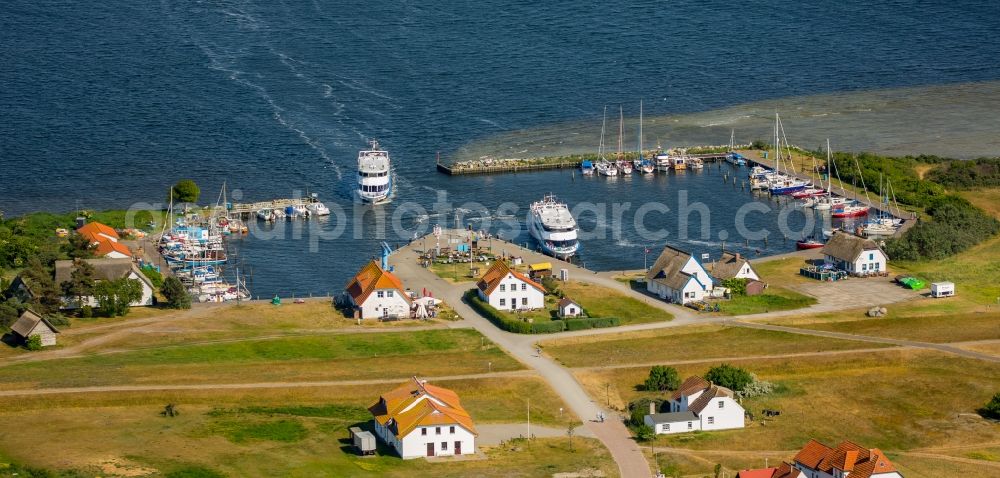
x=956, y=226
x=86, y=312
x=549, y=327
x=662, y=378
x=992, y=409
x=736, y=285
x=194, y=471
x=592, y=323
x=34, y=343
x=175, y=293
x=154, y=276
x=733, y=378
x=493, y=315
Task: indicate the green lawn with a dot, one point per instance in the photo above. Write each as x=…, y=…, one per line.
x=686, y=343
x=601, y=301
x=869, y=398
x=276, y=432
x=774, y=298
x=318, y=357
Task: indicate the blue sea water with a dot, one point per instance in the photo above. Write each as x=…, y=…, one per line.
x=105, y=104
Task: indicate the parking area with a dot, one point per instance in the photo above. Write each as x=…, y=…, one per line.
x=854, y=293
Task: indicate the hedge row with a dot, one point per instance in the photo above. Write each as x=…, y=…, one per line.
x=504, y=322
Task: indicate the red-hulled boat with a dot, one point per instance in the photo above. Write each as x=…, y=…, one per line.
x=810, y=243
x=850, y=211
x=808, y=192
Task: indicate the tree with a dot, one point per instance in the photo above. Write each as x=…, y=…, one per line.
x=717, y=469
x=570, y=431
x=662, y=378
x=185, y=191
x=992, y=409
x=644, y=433
x=116, y=296
x=81, y=281
x=177, y=297
x=79, y=247
x=47, y=296
x=733, y=378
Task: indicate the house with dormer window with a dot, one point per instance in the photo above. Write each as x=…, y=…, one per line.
x=418, y=419
x=678, y=277
x=698, y=405
x=506, y=289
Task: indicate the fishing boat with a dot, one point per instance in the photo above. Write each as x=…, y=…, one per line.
x=317, y=209
x=552, y=225
x=661, y=161
x=696, y=163
x=374, y=175
x=678, y=162
x=809, y=243
x=265, y=214
x=587, y=167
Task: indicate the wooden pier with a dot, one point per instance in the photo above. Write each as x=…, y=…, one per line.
x=252, y=208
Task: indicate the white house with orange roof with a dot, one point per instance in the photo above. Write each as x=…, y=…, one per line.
x=847, y=460
x=698, y=405
x=377, y=293
x=418, y=419
x=104, y=239
x=506, y=289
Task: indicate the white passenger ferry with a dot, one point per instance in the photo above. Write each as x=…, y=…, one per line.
x=374, y=175
x=552, y=225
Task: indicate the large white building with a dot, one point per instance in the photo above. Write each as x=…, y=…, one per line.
x=507, y=289
x=418, y=419
x=854, y=254
x=377, y=293
x=678, y=277
x=106, y=269
x=698, y=405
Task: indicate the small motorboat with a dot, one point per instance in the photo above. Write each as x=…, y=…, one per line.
x=587, y=168
x=810, y=243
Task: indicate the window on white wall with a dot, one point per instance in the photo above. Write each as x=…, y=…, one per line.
x=503, y=287
x=524, y=286
x=503, y=301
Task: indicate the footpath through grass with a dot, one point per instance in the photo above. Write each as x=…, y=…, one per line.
x=330, y=357
x=686, y=343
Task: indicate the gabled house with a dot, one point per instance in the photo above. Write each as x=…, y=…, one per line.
x=30, y=323
x=96, y=231
x=731, y=266
x=698, y=405
x=20, y=288
x=377, y=293
x=418, y=419
x=678, y=277
x=854, y=254
x=112, y=250
x=568, y=308
x=506, y=289
x=106, y=269
x=847, y=460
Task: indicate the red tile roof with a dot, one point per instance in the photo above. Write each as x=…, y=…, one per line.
x=97, y=228
x=497, y=272
x=106, y=246
x=410, y=405
x=758, y=473
x=848, y=456
x=370, y=278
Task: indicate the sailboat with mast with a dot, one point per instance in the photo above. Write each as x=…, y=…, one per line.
x=604, y=167
x=783, y=183
x=645, y=166
x=624, y=166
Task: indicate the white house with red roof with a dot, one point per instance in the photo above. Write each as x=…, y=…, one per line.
x=506, y=289
x=104, y=240
x=698, y=405
x=377, y=293
x=418, y=419
x=847, y=460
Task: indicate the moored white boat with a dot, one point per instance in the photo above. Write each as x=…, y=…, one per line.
x=552, y=225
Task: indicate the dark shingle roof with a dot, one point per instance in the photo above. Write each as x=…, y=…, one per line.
x=674, y=417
